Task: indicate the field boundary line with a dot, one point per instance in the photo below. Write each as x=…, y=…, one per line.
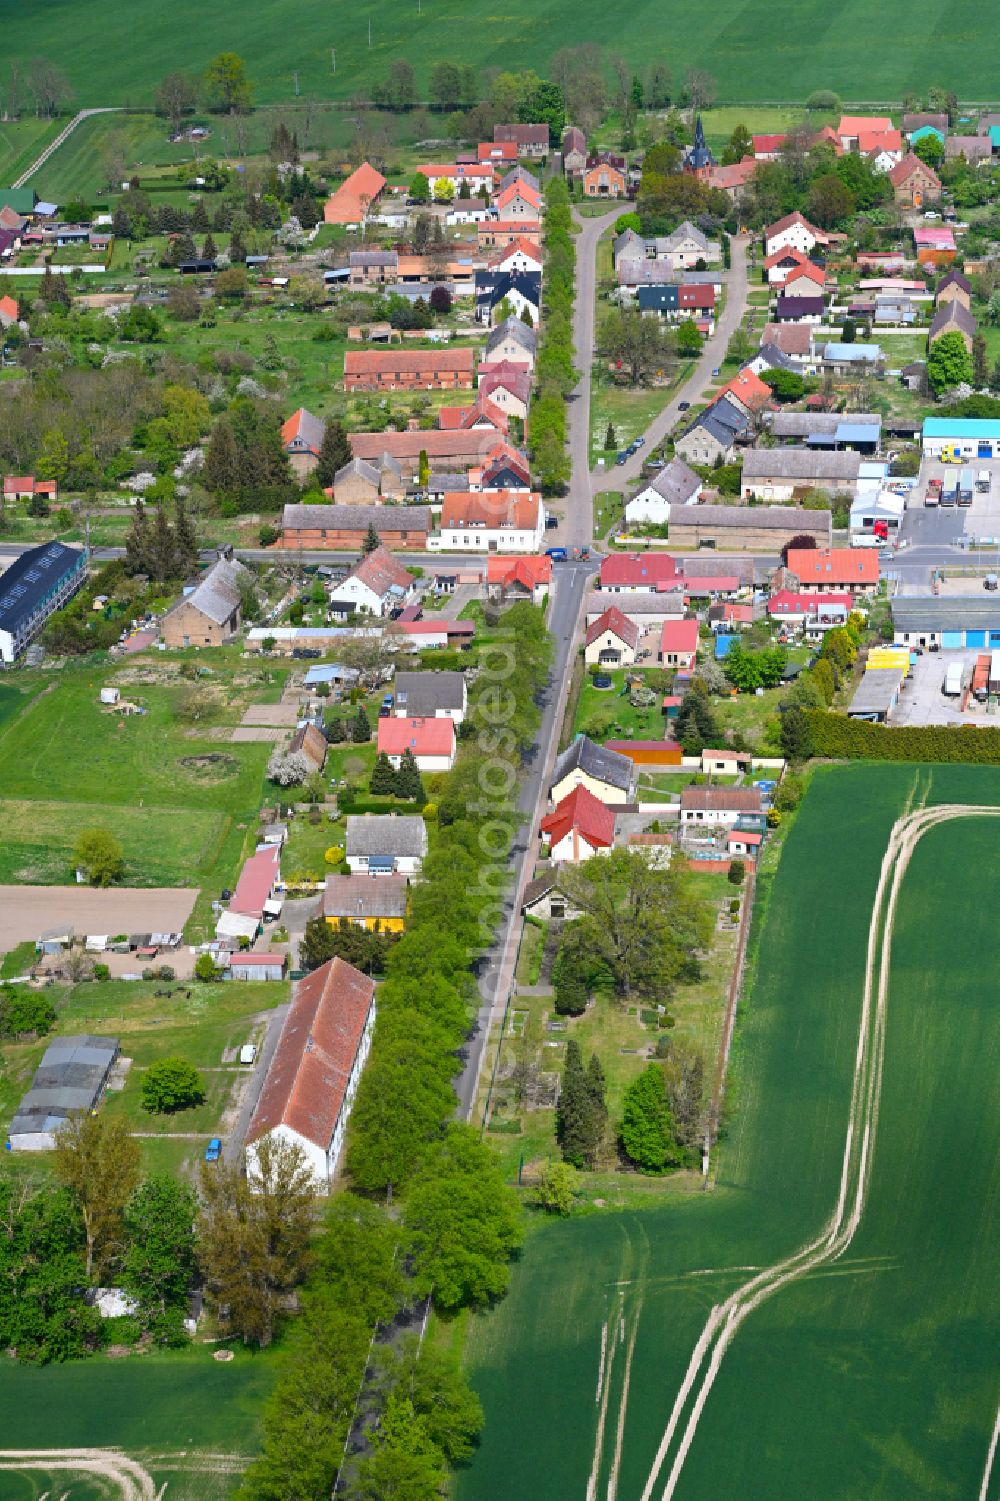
x=61, y=138
x=862, y=1122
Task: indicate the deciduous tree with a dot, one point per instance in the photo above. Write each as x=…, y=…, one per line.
x=171, y=1084
x=647, y=1130
x=100, y=856
x=97, y=1158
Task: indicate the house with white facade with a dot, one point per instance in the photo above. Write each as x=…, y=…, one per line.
x=675, y=485
x=491, y=521
x=387, y=844
x=312, y=1080
x=376, y=585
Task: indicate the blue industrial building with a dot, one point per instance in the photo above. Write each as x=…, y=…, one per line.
x=947, y=621
x=35, y=585
x=977, y=438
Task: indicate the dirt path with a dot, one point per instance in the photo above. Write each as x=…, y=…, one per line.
x=134, y=1482
x=725, y=1319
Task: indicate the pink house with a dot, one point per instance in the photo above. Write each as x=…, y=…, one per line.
x=679, y=644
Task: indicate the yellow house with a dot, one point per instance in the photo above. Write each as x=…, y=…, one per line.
x=372, y=902
x=605, y=773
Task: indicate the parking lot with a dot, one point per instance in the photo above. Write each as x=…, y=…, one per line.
x=982, y=517
x=921, y=700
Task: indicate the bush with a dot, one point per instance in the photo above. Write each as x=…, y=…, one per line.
x=736, y=872
x=23, y=1010
x=204, y=968
x=102, y=972
x=171, y=1084
x=842, y=739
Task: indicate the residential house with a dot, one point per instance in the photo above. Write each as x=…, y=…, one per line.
x=8, y=311
x=579, y=827
x=883, y=148
x=344, y=528
x=795, y=342
x=512, y=340
x=603, y=179
x=574, y=151
x=255, y=896
x=834, y=569
x=675, y=485
x=609, y=776
x=679, y=644
x=770, y=357
x=492, y=521
x=513, y=291
x=686, y=246
x=301, y=438
x=521, y=254
x=801, y=309
x=478, y=175
x=409, y=369
x=747, y=528
x=430, y=695
x=376, y=903
x=935, y=246
x=491, y=232
x=732, y=178
x=511, y=579
x=748, y=391
x=386, y=844
x=309, y=741
x=508, y=386
x=211, y=613
x=36, y=584
x=805, y=280
x=361, y=483
x=499, y=153
x=481, y=413
x=914, y=183
x=376, y=585
x=723, y=806
x=530, y=140
x=639, y=573
x=431, y=740
x=648, y=610
x=976, y=150
x=778, y=474
x=952, y=317
x=767, y=148
x=917, y=120
x=544, y=898
x=352, y=201
x=954, y=287
x=779, y=265
x=518, y=202
x=822, y=611
x=793, y=232
x=713, y=434
x=853, y=127
x=611, y=641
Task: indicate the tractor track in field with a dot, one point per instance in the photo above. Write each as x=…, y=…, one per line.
x=725, y=1319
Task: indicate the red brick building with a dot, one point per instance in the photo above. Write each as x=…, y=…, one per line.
x=409, y=369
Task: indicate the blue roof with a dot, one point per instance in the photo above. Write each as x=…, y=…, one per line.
x=852, y=352
x=995, y=136
x=32, y=578
x=924, y=132
x=858, y=432
x=962, y=427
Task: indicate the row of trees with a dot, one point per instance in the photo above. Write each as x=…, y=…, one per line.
x=160, y=549
x=554, y=370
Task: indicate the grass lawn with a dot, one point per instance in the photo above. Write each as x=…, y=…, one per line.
x=609, y=508
x=596, y=704
x=629, y=409
x=78, y=168
x=65, y=765
x=21, y=141
x=897, y=1401
x=172, y=1411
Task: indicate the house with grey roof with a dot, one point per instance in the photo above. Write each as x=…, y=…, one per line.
x=861, y=430
x=430, y=695
x=713, y=433
x=770, y=357
x=514, y=341
x=675, y=485
x=686, y=246
x=69, y=1081
x=778, y=473
x=211, y=613
x=385, y=844
x=605, y=773
x=952, y=317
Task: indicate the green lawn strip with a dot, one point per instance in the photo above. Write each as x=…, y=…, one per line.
x=629, y=722
x=609, y=509
x=302, y=858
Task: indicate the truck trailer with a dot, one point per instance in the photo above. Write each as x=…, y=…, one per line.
x=965, y=486
x=953, y=680
x=995, y=672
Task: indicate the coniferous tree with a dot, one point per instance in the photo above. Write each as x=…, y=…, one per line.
x=361, y=729
x=185, y=540
x=222, y=461
x=162, y=555
x=573, y=1131
x=383, y=778
x=371, y=541
x=237, y=248
x=208, y=249
x=137, y=542
x=596, y=1092
x=334, y=452
x=408, y=783
x=336, y=731
x=199, y=217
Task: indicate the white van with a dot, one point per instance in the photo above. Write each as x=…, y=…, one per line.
x=248, y=1053
x=983, y=482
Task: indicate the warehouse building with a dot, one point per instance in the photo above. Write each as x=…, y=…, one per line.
x=861, y=431
x=781, y=473
x=69, y=1081
x=973, y=438
x=952, y=623
x=747, y=528
x=35, y=585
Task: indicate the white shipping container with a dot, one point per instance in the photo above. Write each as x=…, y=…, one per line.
x=995, y=672
x=953, y=680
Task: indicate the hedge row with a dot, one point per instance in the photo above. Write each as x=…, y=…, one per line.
x=844, y=739
x=554, y=370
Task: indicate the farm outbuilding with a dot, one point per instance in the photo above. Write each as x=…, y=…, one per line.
x=69, y=1081
x=950, y=622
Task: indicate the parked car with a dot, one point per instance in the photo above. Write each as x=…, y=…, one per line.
x=622, y=457
x=683, y=406
x=557, y=554
x=214, y=1150
x=248, y=1053
x=639, y=441
x=551, y=522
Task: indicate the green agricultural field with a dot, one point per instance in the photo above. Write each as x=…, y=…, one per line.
x=755, y=51
x=190, y=1421
x=78, y=168
x=65, y=765
x=21, y=141
x=869, y=1373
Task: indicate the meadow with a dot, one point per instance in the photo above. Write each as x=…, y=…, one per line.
x=755, y=50
x=870, y=1377
x=66, y=765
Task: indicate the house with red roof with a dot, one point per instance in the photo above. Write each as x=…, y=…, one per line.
x=914, y=182
x=481, y=414
x=508, y=385
x=793, y=232
x=8, y=312
x=804, y=281
x=500, y=153
x=829, y=569
x=478, y=175
x=731, y=178
x=679, y=644
x=743, y=842
x=511, y=579
x=884, y=148
x=432, y=742
x=781, y=263
x=312, y=1080
x=352, y=201
x=823, y=611
x=301, y=438
x=254, y=896
x=521, y=254
x=766, y=148
x=639, y=573
x=612, y=640
x=748, y=391
x=377, y=585
x=579, y=827
x=853, y=127
x=510, y=521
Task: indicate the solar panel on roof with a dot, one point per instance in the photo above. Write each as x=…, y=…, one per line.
x=33, y=576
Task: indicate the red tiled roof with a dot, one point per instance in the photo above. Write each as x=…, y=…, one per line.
x=679, y=636
x=467, y=445
x=8, y=306
x=408, y=361
x=786, y=253
x=842, y=565
x=905, y=169
x=254, y=885
x=720, y=799
x=853, y=125
x=449, y=628
x=748, y=389
x=530, y=571
x=711, y=583
x=767, y=143
x=349, y=203
x=696, y=297
x=309, y=1073
x=513, y=378
x=527, y=247
x=454, y=419
x=656, y=569
x=740, y=837
x=380, y=570
x=493, y=508
x=809, y=272
x=613, y=620
x=785, y=602
x=424, y=737
x=582, y=811
x=871, y=142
